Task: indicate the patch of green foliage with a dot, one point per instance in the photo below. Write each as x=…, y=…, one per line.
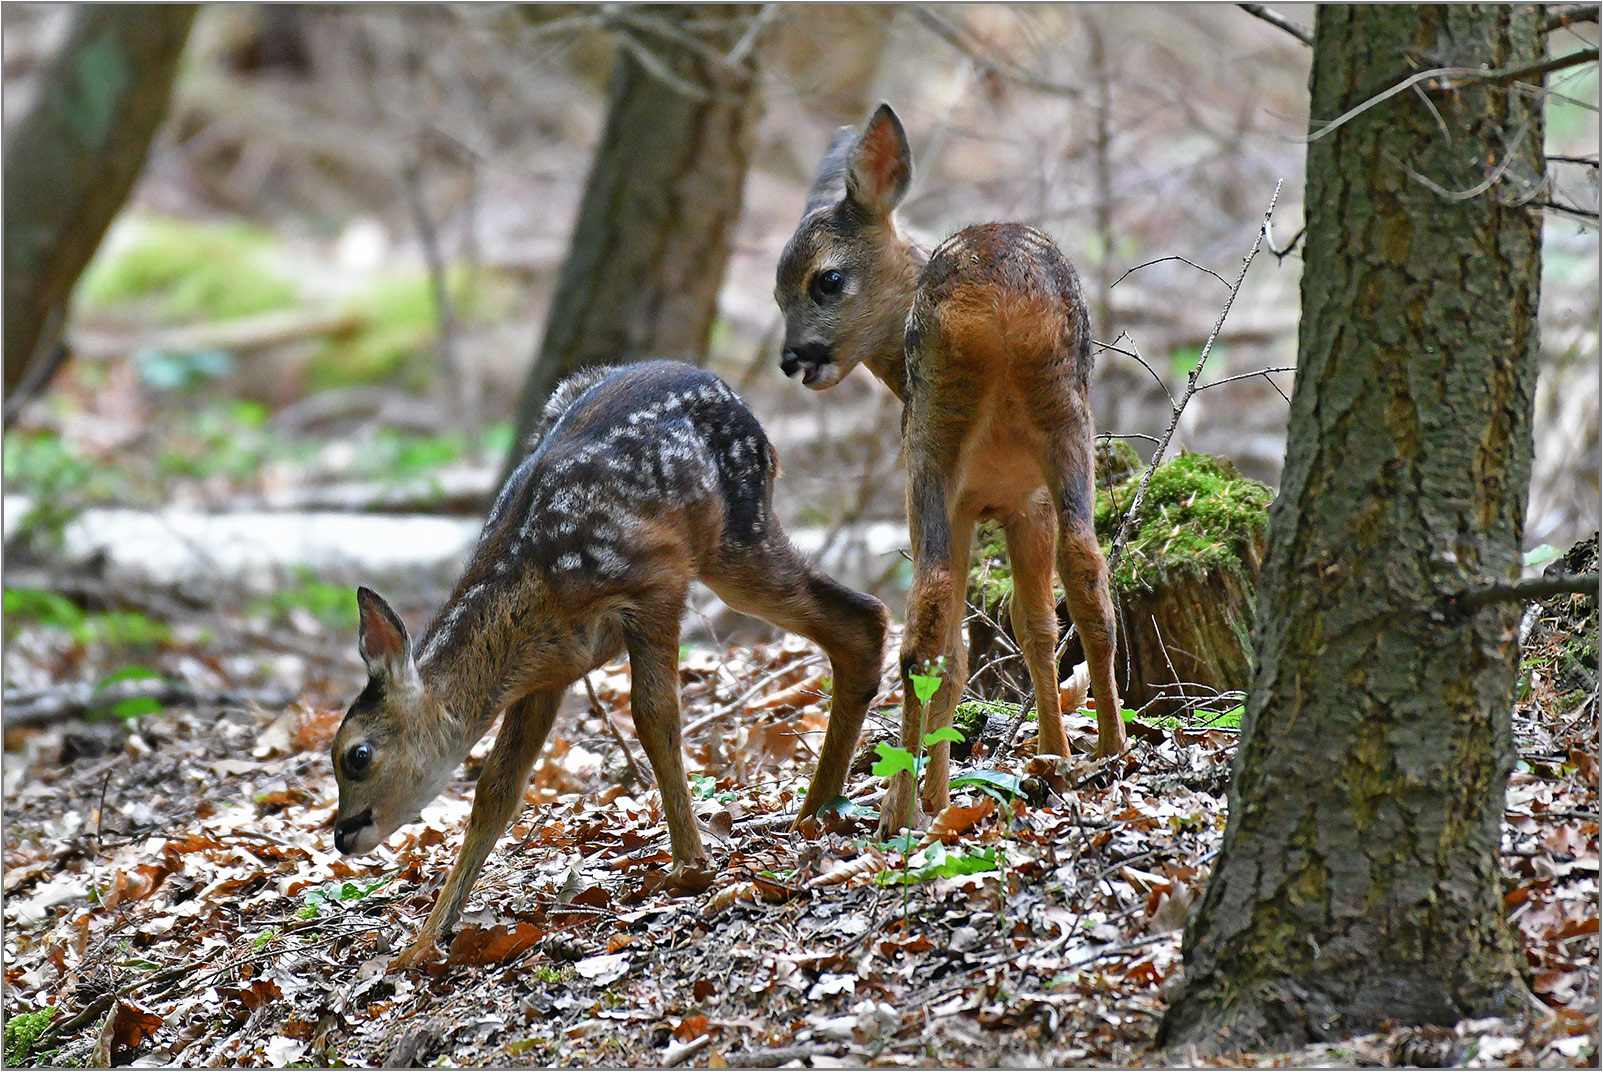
x=990, y=577
x=937, y=861
x=22, y=1030
x=191, y=272
x=332, y=893
x=397, y=330
x=705, y=787
x=972, y=716
x=332, y=604
x=1199, y=514
x=394, y=457
x=114, y=629
x=58, y=482
x=231, y=440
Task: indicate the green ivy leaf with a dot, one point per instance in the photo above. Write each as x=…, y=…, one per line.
x=999, y=784
x=893, y=761
x=1541, y=555
x=924, y=686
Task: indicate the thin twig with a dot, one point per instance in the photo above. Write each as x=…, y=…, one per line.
x=1279, y=21
x=956, y=37
x=1117, y=548
x=635, y=771
x=1160, y=260
x=1457, y=78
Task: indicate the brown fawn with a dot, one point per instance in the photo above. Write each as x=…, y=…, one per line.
x=987, y=343
x=640, y=479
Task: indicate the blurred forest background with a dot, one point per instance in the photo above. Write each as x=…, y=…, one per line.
x=267, y=399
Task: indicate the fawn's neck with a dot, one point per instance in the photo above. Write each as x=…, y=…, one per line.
x=490, y=645
x=887, y=353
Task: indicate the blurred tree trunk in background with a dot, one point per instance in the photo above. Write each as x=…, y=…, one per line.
x=1358, y=878
x=647, y=258
x=72, y=160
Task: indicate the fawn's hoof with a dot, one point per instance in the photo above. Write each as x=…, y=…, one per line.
x=422, y=952
x=687, y=879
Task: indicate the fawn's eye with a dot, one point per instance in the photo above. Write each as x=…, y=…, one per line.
x=358, y=759
x=827, y=284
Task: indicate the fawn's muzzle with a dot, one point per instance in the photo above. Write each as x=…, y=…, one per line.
x=345, y=831
x=808, y=359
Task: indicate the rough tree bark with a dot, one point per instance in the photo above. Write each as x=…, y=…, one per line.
x=1358, y=880
x=655, y=226
x=73, y=158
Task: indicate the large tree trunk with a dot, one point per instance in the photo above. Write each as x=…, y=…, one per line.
x=72, y=159
x=1358, y=880
x=658, y=215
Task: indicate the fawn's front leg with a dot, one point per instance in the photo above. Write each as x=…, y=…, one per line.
x=496, y=799
x=653, y=642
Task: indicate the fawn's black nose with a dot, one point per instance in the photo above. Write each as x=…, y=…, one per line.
x=806, y=356
x=346, y=829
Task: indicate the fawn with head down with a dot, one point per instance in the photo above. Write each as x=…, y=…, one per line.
x=641, y=479
x=987, y=343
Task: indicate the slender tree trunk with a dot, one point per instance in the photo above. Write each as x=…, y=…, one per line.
x=72, y=160
x=1358, y=880
x=657, y=219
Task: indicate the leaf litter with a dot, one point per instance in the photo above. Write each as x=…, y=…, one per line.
x=175, y=898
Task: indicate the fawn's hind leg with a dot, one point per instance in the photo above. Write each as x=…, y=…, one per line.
x=772, y=581
x=651, y=634
x=1085, y=580
x=1031, y=542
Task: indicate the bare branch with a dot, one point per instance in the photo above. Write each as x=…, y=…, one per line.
x=958, y=38
x=1120, y=535
x=1135, y=355
x=1584, y=584
x=1569, y=16
x=1279, y=21
x=1160, y=260
x=1457, y=78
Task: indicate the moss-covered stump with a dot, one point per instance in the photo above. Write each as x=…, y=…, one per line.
x=1183, y=589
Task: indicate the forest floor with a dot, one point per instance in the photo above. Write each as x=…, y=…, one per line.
x=172, y=894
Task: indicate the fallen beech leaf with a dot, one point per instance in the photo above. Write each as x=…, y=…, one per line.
x=870, y=863
x=728, y=895
x=691, y=1027
x=493, y=945
x=956, y=819
x=1073, y=689
x=618, y=941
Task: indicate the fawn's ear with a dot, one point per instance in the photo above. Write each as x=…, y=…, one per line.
x=879, y=165
x=382, y=639
x=829, y=182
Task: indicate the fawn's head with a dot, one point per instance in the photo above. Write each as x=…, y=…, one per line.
x=394, y=751
x=846, y=277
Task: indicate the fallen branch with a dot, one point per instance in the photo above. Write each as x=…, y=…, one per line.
x=244, y=333
x=35, y=707
x=782, y=1055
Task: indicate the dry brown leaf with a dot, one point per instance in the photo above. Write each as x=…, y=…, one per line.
x=493, y=945
x=957, y=819
x=728, y=895
x=871, y=862
x=1073, y=689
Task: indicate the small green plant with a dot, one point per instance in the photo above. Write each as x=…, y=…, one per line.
x=114, y=629
x=331, y=604
x=893, y=760
x=704, y=787
x=313, y=900
x=937, y=861
x=22, y=1030
x=261, y=940
x=552, y=973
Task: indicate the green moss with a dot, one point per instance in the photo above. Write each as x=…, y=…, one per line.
x=1199, y=514
x=972, y=716
x=190, y=272
x=22, y=1030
